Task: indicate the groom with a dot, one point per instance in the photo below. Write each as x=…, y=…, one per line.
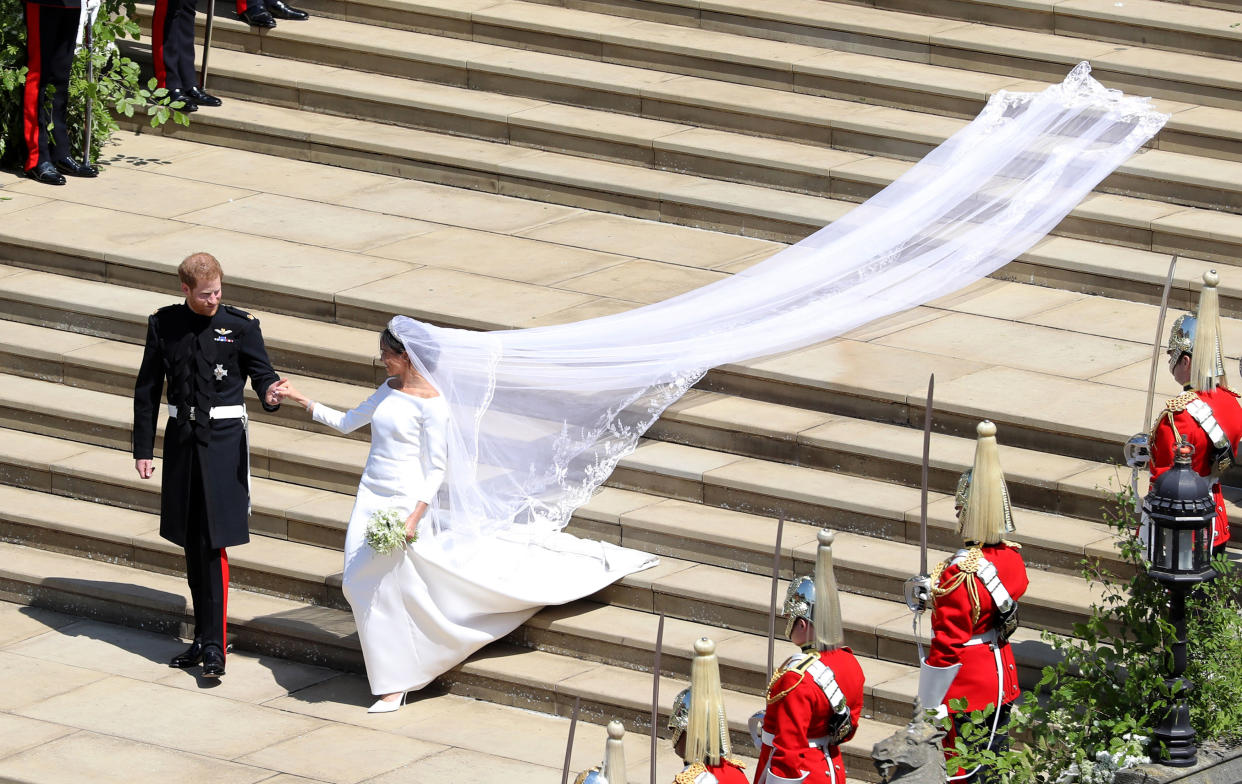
x=206, y=351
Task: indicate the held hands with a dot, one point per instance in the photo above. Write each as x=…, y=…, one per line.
x=145, y=468
x=275, y=393
x=283, y=390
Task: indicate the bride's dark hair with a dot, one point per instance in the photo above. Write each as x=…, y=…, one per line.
x=427, y=353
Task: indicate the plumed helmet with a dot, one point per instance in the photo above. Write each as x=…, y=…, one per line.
x=986, y=514
x=1207, y=361
x=612, y=771
x=680, y=717
x=707, y=729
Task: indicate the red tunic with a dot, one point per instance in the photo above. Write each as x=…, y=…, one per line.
x=1228, y=413
x=727, y=772
x=953, y=626
x=798, y=710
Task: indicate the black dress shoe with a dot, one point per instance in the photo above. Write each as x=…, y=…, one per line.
x=257, y=17
x=189, y=657
x=176, y=94
x=213, y=663
x=201, y=98
x=72, y=168
x=282, y=10
x=46, y=173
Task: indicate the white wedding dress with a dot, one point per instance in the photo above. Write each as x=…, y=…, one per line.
x=421, y=611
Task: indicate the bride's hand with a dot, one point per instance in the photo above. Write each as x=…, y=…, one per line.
x=411, y=526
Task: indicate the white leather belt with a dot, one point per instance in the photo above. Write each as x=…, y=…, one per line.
x=216, y=412
x=987, y=638
x=815, y=743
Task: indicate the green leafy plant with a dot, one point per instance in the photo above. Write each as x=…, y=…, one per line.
x=117, y=89
x=1093, y=712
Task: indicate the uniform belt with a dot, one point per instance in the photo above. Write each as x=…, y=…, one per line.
x=815, y=743
x=216, y=412
x=987, y=638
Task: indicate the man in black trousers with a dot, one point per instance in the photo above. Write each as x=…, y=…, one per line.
x=172, y=54
x=206, y=351
x=51, y=28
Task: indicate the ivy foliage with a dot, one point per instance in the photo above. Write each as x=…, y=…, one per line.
x=1094, y=711
x=117, y=88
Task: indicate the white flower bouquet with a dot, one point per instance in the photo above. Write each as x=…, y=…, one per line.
x=386, y=531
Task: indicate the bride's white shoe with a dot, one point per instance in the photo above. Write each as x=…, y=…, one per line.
x=387, y=706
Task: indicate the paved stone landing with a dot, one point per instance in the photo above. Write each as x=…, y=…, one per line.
x=91, y=702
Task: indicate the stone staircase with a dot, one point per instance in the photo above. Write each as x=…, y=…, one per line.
x=592, y=135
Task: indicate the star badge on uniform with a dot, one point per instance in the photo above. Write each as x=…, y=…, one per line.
x=220, y=372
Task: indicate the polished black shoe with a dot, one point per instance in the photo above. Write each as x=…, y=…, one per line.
x=202, y=98
x=189, y=657
x=176, y=95
x=72, y=168
x=257, y=17
x=213, y=663
x=282, y=10
x=46, y=173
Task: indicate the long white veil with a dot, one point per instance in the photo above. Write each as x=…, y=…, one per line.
x=541, y=416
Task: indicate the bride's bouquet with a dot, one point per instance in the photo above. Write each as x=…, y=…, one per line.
x=386, y=531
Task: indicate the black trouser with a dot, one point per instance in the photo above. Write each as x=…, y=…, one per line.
x=999, y=743
x=172, y=44
x=50, y=33
x=206, y=568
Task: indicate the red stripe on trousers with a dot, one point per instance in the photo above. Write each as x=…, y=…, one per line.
x=30, y=101
x=157, y=41
x=224, y=613
x=241, y=6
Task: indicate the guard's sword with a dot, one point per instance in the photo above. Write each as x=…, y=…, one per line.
x=655, y=694
x=776, y=579
x=209, y=24
x=569, y=742
x=1138, y=448
x=918, y=588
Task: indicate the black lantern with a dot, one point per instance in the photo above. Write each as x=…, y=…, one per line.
x=1179, y=511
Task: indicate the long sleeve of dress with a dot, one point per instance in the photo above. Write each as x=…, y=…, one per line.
x=348, y=422
x=435, y=450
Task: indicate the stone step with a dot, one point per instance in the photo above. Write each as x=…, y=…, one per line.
x=913, y=29
x=1181, y=179
x=844, y=175
x=318, y=517
x=958, y=65
x=729, y=479
x=502, y=673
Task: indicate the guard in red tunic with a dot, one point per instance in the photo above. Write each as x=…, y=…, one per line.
x=975, y=607
x=816, y=697
x=1207, y=414
x=700, y=728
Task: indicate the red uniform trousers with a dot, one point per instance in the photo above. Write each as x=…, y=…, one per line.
x=797, y=711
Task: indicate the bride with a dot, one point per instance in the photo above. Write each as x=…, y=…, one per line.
x=422, y=610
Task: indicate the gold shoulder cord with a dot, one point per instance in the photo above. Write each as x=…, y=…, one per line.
x=737, y=763
x=799, y=668
x=965, y=573
x=691, y=773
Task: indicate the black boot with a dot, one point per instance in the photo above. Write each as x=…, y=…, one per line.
x=282, y=10
x=46, y=173
x=189, y=657
x=213, y=662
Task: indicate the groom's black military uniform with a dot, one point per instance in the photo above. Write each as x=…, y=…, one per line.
x=205, y=498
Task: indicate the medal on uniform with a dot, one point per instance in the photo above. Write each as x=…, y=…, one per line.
x=220, y=372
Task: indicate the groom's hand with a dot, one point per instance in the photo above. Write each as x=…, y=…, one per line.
x=145, y=468
x=273, y=395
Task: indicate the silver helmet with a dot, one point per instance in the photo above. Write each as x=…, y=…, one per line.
x=799, y=602
x=613, y=766
x=1181, y=337
x=679, y=719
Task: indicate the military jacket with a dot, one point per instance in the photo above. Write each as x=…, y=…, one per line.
x=798, y=711
x=206, y=362
x=727, y=772
x=962, y=615
x=1177, y=422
